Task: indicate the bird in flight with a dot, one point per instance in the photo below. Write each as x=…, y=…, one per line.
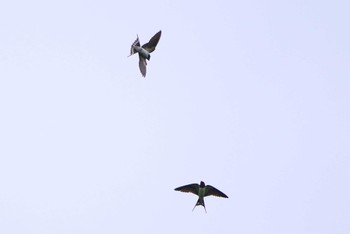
x=201, y=190
x=144, y=51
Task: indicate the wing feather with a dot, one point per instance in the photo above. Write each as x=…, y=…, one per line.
x=151, y=45
x=136, y=43
x=214, y=191
x=142, y=65
x=190, y=188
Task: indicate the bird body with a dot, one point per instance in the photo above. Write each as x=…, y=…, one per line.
x=201, y=190
x=144, y=51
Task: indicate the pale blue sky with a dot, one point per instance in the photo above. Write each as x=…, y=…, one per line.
x=251, y=97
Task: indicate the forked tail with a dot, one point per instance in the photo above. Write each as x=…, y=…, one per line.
x=200, y=202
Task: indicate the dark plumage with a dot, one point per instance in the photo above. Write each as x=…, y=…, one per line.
x=201, y=190
x=145, y=50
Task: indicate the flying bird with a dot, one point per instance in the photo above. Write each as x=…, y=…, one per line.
x=201, y=190
x=144, y=51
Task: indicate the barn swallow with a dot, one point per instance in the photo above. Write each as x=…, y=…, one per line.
x=201, y=190
x=144, y=51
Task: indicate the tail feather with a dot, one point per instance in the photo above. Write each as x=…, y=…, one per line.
x=200, y=202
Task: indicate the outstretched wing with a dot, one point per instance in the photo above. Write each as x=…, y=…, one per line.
x=190, y=188
x=142, y=65
x=215, y=192
x=136, y=43
x=151, y=45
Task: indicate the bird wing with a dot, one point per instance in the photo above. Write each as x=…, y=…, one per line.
x=142, y=65
x=190, y=188
x=136, y=43
x=151, y=45
x=215, y=192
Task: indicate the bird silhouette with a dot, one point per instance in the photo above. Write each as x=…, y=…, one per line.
x=201, y=190
x=145, y=51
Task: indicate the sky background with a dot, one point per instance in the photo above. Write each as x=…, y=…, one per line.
x=252, y=97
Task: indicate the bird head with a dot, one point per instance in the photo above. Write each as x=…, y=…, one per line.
x=148, y=57
x=202, y=184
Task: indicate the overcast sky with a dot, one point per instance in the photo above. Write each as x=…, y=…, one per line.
x=252, y=97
